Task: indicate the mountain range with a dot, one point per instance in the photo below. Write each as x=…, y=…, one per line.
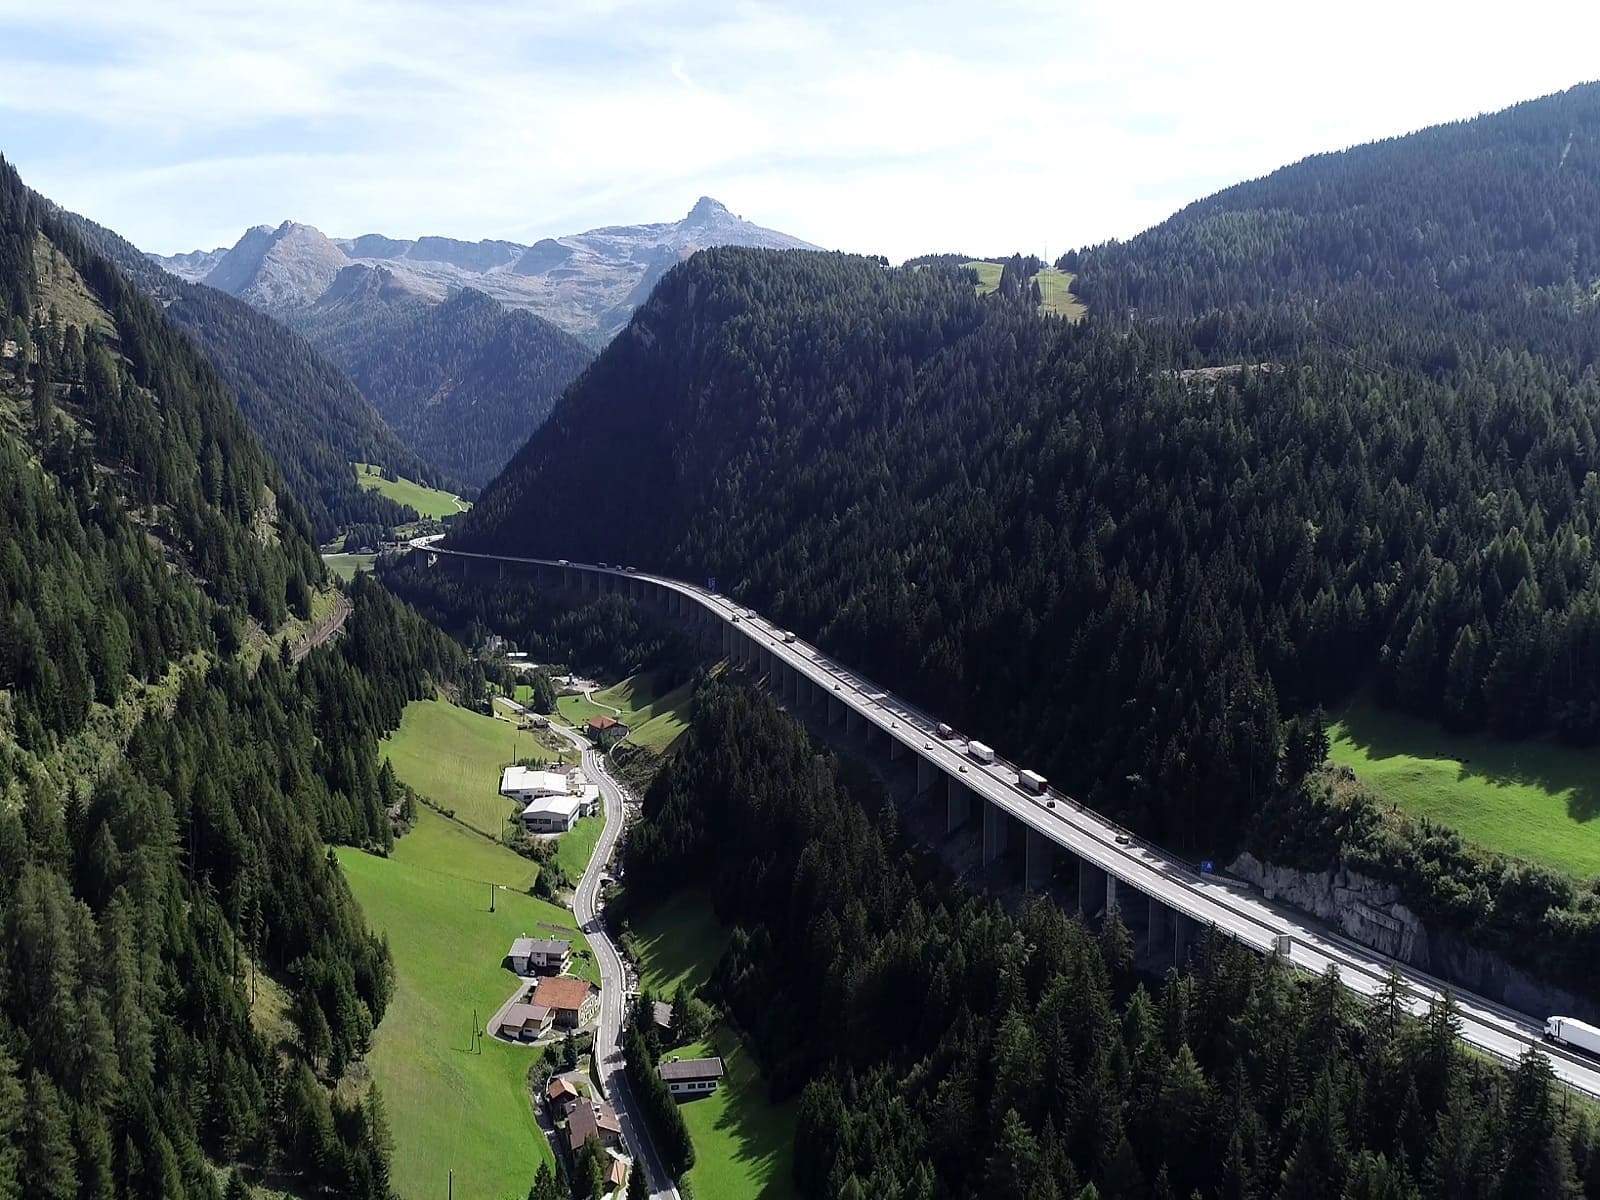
x=463, y=347
x=587, y=284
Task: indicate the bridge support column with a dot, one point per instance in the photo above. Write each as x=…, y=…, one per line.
x=852, y=721
x=1091, y=889
x=835, y=711
x=897, y=748
x=957, y=805
x=1160, y=939
x=1186, y=932
x=996, y=831
x=925, y=776
x=1038, y=860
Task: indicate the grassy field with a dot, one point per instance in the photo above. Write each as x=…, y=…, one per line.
x=1055, y=288
x=679, y=941
x=574, y=848
x=450, y=1108
x=345, y=566
x=1536, y=800
x=429, y=502
x=454, y=757
x=655, y=719
x=743, y=1144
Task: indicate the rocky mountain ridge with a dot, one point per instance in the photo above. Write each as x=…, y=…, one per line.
x=587, y=284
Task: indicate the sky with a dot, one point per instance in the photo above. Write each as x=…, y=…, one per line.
x=894, y=128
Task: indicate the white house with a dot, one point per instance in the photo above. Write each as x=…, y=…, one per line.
x=551, y=814
x=692, y=1076
x=526, y=783
x=531, y=955
x=553, y=800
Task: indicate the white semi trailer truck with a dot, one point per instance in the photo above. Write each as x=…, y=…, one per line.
x=1569, y=1031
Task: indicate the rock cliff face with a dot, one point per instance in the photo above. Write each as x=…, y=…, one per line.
x=1372, y=912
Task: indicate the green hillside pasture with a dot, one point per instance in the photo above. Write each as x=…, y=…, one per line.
x=454, y=757
x=345, y=566
x=429, y=502
x=1055, y=288
x=679, y=941
x=451, y=1108
x=1534, y=800
x=655, y=719
x=743, y=1143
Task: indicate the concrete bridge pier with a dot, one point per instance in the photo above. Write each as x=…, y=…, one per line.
x=1157, y=949
x=1186, y=935
x=996, y=832
x=897, y=748
x=1038, y=860
x=957, y=805
x=1095, y=888
x=853, y=721
x=835, y=711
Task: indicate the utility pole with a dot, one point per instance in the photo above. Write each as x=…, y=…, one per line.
x=451, y=1193
x=491, y=897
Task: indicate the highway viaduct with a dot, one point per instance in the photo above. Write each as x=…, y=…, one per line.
x=1050, y=841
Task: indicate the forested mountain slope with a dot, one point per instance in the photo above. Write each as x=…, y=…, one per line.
x=1119, y=572
x=165, y=798
x=1422, y=250
x=305, y=411
x=463, y=382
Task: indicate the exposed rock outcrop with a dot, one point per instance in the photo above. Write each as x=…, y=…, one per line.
x=1373, y=913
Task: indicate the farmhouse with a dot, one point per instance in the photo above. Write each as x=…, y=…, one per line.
x=692, y=1076
x=564, y=1093
x=524, y=1022
x=604, y=730
x=530, y=956
x=594, y=1120
x=572, y=1002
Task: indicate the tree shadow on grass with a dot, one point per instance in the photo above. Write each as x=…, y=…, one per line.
x=759, y=1133
x=1563, y=772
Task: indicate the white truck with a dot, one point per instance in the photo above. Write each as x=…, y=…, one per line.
x=1569, y=1031
x=979, y=752
x=788, y=637
x=1031, y=781
x=945, y=731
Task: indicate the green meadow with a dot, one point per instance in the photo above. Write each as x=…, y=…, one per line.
x=451, y=1105
x=428, y=502
x=1536, y=800
x=743, y=1143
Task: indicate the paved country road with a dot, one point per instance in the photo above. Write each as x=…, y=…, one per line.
x=613, y=976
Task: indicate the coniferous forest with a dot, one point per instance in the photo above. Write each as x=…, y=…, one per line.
x=940, y=1046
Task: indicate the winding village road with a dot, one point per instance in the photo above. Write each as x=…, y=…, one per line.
x=613, y=974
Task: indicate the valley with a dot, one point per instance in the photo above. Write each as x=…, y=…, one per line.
x=671, y=711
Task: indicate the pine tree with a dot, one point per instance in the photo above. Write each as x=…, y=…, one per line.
x=49, y=1163
x=1317, y=1168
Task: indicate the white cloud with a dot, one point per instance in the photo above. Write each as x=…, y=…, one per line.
x=885, y=128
